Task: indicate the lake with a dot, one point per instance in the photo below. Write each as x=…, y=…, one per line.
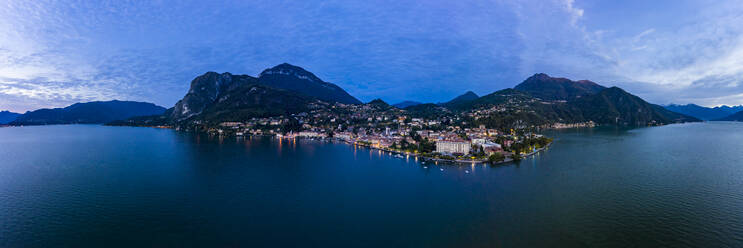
x=86, y=185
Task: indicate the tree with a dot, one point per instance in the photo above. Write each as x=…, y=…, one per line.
x=413, y=134
x=403, y=144
x=496, y=157
x=516, y=156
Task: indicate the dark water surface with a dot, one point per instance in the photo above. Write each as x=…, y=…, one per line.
x=81, y=186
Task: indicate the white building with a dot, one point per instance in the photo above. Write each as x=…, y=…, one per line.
x=451, y=147
x=478, y=141
x=343, y=135
x=311, y=134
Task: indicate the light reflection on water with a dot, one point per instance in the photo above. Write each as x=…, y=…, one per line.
x=648, y=187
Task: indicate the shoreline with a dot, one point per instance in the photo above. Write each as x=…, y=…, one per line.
x=425, y=159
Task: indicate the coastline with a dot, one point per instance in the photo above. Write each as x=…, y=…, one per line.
x=425, y=159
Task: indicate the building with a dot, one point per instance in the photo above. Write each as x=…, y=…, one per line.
x=343, y=135
x=230, y=124
x=310, y=134
x=453, y=147
x=491, y=148
x=478, y=141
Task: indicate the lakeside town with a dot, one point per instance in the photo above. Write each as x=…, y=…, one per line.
x=441, y=137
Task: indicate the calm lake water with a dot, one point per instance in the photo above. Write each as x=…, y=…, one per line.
x=80, y=185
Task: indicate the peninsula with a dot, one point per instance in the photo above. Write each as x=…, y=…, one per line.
x=289, y=102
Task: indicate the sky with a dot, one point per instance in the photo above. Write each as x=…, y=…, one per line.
x=55, y=53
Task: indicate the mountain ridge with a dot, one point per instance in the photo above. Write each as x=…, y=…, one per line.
x=704, y=113
x=543, y=86
x=7, y=117
x=625, y=108
x=205, y=89
x=461, y=100
x=291, y=77
x=215, y=97
x=738, y=116
x=96, y=112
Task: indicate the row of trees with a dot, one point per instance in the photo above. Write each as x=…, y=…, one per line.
x=529, y=144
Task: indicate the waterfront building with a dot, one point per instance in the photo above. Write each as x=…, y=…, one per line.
x=344, y=135
x=310, y=134
x=230, y=124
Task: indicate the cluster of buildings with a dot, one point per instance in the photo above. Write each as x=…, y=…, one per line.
x=383, y=127
x=379, y=131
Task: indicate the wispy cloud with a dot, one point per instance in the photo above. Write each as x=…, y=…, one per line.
x=53, y=53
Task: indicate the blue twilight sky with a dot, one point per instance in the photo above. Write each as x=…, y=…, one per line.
x=53, y=53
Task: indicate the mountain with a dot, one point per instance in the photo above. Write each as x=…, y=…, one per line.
x=204, y=91
x=255, y=100
x=461, y=100
x=616, y=106
x=89, y=113
x=729, y=109
x=704, y=113
x=215, y=98
x=220, y=97
x=611, y=106
x=7, y=116
x=290, y=77
x=734, y=117
x=427, y=110
x=378, y=104
x=405, y=104
x=207, y=89
x=543, y=86
x=500, y=97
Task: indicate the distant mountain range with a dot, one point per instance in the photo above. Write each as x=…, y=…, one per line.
x=538, y=100
x=734, y=117
x=287, y=89
x=7, y=116
x=89, y=113
x=704, y=113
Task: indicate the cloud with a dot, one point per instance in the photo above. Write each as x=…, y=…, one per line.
x=53, y=53
x=574, y=13
x=694, y=61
